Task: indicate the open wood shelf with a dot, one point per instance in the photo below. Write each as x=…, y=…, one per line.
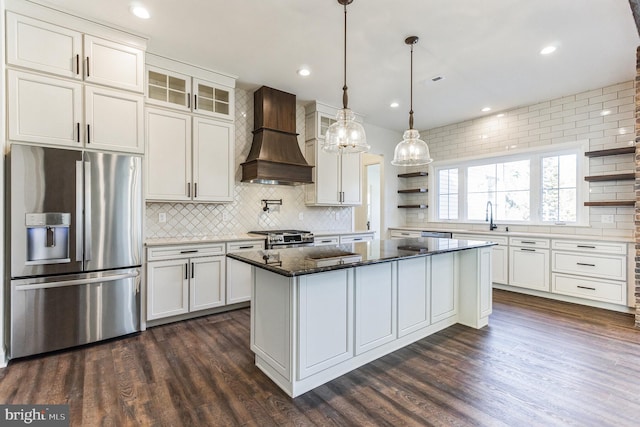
x=412, y=174
x=611, y=152
x=413, y=190
x=413, y=206
x=612, y=177
x=612, y=203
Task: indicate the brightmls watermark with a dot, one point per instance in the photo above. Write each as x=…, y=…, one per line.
x=34, y=415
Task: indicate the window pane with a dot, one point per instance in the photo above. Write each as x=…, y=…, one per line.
x=513, y=176
x=481, y=179
x=513, y=206
x=559, y=188
x=477, y=205
x=448, y=194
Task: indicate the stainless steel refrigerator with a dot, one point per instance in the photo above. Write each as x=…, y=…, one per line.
x=75, y=247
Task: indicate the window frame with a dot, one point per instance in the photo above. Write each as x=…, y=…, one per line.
x=535, y=156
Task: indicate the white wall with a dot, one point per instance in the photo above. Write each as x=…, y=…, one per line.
x=570, y=118
x=383, y=142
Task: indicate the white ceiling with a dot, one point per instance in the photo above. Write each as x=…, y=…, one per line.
x=486, y=50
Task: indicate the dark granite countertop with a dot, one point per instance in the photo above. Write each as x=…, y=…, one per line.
x=307, y=260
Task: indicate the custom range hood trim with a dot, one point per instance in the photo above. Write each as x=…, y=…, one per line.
x=275, y=156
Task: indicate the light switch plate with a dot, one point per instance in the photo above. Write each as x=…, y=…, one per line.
x=225, y=216
x=162, y=217
x=301, y=216
x=607, y=219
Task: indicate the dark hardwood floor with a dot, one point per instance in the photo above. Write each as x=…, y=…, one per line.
x=538, y=363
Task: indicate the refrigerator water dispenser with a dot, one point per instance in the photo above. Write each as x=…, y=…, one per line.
x=47, y=237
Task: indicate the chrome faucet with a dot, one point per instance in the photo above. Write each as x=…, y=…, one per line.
x=489, y=218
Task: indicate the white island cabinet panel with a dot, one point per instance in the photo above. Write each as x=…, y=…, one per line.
x=444, y=291
x=325, y=336
x=413, y=295
x=271, y=326
x=375, y=306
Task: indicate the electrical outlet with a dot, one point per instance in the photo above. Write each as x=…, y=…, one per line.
x=301, y=216
x=225, y=216
x=162, y=217
x=337, y=216
x=607, y=219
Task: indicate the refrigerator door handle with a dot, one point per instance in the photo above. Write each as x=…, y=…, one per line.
x=79, y=213
x=87, y=211
x=110, y=278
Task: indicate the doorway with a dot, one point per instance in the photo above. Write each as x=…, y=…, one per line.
x=370, y=215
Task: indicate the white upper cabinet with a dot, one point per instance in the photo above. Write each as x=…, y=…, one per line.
x=337, y=180
x=114, y=120
x=42, y=46
x=113, y=64
x=44, y=109
x=59, y=50
x=71, y=82
x=189, y=158
x=180, y=86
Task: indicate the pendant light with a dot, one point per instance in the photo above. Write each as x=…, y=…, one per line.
x=345, y=136
x=411, y=151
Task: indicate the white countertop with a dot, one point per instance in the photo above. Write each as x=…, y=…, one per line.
x=586, y=237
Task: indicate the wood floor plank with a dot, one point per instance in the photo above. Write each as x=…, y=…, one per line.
x=539, y=362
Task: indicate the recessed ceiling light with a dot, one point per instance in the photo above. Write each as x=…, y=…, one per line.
x=394, y=105
x=485, y=109
x=140, y=11
x=500, y=115
x=605, y=112
x=437, y=78
x=304, y=72
x=547, y=50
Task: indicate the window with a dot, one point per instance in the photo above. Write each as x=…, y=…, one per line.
x=448, y=193
x=534, y=187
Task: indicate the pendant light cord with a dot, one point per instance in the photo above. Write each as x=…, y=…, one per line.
x=345, y=97
x=411, y=90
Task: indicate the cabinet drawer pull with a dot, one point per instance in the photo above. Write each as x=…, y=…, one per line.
x=192, y=270
x=186, y=271
x=527, y=242
x=245, y=247
x=586, y=287
x=586, y=246
x=325, y=241
x=191, y=251
x=357, y=239
x=585, y=264
x=78, y=64
x=527, y=250
x=405, y=234
x=87, y=66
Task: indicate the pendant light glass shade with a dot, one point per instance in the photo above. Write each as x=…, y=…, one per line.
x=345, y=136
x=411, y=151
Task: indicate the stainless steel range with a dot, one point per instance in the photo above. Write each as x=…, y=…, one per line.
x=286, y=238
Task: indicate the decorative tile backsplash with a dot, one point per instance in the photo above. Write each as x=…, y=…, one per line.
x=245, y=212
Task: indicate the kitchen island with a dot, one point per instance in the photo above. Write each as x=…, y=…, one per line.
x=320, y=312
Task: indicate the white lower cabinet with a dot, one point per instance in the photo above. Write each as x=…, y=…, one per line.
x=375, y=289
x=184, y=279
x=529, y=263
x=240, y=274
x=591, y=270
x=325, y=338
x=413, y=295
x=444, y=289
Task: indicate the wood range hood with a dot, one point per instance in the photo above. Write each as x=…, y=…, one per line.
x=275, y=157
